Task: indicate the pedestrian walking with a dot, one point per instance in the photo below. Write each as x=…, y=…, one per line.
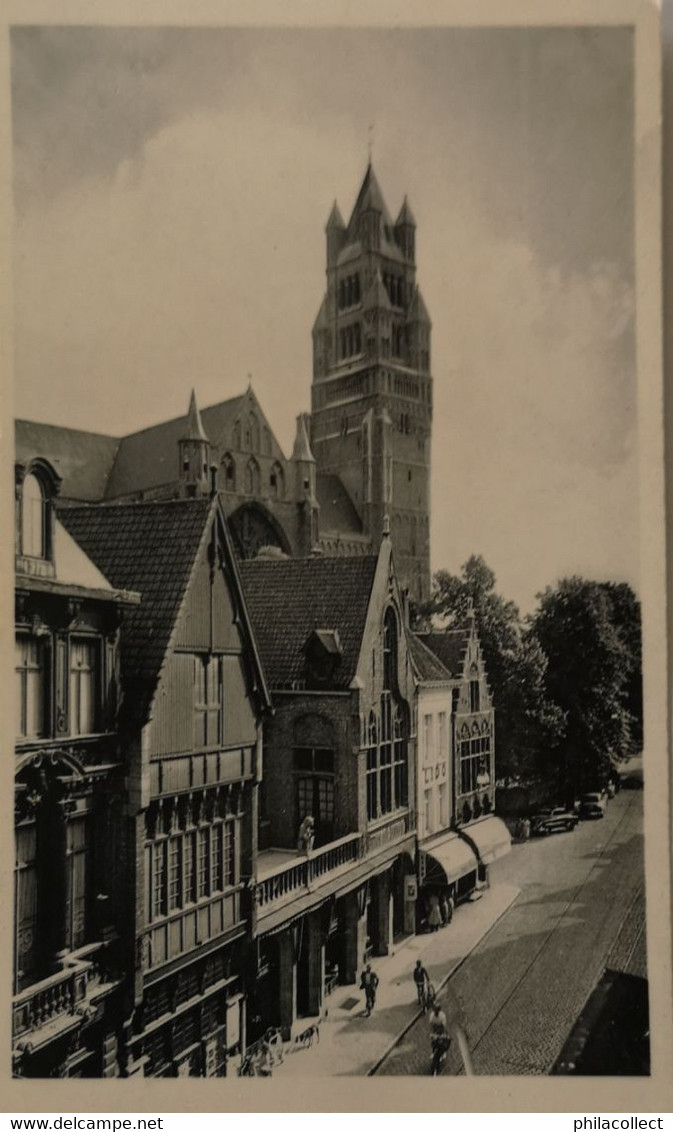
x=526, y=829
x=369, y=981
x=434, y=914
x=422, y=981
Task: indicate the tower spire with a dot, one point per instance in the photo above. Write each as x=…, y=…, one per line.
x=195, y=429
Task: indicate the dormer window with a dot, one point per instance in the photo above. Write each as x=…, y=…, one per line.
x=33, y=518
x=323, y=652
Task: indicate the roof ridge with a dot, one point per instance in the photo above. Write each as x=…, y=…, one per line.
x=137, y=503
x=67, y=428
x=181, y=417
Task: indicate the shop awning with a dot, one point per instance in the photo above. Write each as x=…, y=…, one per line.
x=448, y=860
x=491, y=838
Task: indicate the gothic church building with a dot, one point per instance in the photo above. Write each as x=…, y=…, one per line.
x=360, y=465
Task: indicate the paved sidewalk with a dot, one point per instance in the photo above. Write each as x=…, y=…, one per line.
x=352, y=1044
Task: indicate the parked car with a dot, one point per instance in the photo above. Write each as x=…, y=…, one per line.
x=553, y=820
x=592, y=805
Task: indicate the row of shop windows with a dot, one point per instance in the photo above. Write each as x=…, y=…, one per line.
x=32, y=684
x=475, y=757
x=189, y=867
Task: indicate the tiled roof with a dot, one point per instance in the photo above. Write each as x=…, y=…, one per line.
x=337, y=511
x=149, y=547
x=150, y=458
x=82, y=459
x=450, y=647
x=428, y=666
x=289, y=598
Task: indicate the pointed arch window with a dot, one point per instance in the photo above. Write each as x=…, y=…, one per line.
x=387, y=750
x=229, y=472
x=277, y=481
x=254, y=432
x=252, y=477
x=237, y=435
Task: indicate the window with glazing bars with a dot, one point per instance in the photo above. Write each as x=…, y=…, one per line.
x=84, y=655
x=31, y=687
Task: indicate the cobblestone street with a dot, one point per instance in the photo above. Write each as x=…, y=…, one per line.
x=523, y=987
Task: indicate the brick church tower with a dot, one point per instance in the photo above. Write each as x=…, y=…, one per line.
x=372, y=390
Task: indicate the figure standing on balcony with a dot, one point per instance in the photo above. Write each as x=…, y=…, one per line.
x=306, y=835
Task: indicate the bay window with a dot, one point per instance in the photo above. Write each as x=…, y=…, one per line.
x=188, y=867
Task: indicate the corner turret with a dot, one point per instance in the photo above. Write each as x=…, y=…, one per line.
x=335, y=231
x=405, y=231
x=305, y=481
x=194, y=449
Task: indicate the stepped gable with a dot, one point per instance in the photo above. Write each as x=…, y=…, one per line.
x=288, y=599
x=151, y=548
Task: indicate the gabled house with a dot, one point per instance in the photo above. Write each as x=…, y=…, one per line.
x=340, y=749
x=190, y=726
x=69, y=776
x=472, y=740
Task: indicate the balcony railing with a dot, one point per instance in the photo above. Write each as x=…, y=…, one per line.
x=68, y=993
x=302, y=872
x=282, y=875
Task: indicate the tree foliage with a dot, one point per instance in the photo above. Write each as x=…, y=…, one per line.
x=590, y=634
x=528, y=725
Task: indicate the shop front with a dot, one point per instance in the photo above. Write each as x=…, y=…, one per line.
x=447, y=874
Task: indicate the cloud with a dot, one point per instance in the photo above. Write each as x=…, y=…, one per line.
x=176, y=239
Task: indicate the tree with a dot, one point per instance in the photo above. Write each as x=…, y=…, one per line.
x=528, y=725
x=583, y=629
x=627, y=621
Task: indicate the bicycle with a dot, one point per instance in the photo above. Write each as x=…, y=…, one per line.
x=440, y=1049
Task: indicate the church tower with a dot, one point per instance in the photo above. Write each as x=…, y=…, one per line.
x=372, y=390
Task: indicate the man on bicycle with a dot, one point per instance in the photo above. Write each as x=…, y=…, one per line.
x=422, y=981
x=439, y=1036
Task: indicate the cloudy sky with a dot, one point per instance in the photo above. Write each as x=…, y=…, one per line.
x=171, y=191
